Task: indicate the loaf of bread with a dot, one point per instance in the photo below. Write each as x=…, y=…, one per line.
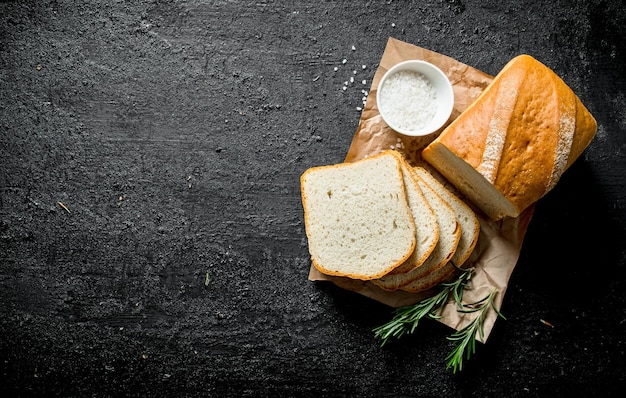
x=513, y=143
x=357, y=218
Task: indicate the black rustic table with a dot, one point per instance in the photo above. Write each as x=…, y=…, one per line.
x=151, y=230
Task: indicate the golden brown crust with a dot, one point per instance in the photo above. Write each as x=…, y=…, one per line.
x=546, y=129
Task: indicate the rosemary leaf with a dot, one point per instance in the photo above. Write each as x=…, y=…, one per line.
x=406, y=319
x=466, y=338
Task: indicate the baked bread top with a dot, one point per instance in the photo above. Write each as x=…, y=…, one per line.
x=513, y=143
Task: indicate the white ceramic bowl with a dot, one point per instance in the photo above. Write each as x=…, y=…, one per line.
x=443, y=103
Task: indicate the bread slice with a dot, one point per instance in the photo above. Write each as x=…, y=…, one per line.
x=470, y=231
x=357, y=218
x=470, y=227
x=431, y=280
x=449, y=235
x=426, y=226
x=512, y=144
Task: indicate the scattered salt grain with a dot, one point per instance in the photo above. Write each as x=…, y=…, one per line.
x=354, y=72
x=393, y=25
x=344, y=61
x=351, y=79
x=363, y=66
x=353, y=48
x=406, y=98
x=344, y=88
x=364, y=82
x=336, y=69
x=358, y=108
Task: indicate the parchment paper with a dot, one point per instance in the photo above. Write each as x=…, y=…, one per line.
x=499, y=244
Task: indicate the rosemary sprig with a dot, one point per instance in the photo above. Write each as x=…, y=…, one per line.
x=406, y=318
x=466, y=338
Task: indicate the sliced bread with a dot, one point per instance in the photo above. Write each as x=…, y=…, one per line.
x=357, y=217
x=470, y=227
x=426, y=226
x=449, y=235
x=470, y=230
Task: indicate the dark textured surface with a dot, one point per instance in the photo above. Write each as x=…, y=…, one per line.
x=175, y=132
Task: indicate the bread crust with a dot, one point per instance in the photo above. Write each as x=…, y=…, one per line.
x=521, y=133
